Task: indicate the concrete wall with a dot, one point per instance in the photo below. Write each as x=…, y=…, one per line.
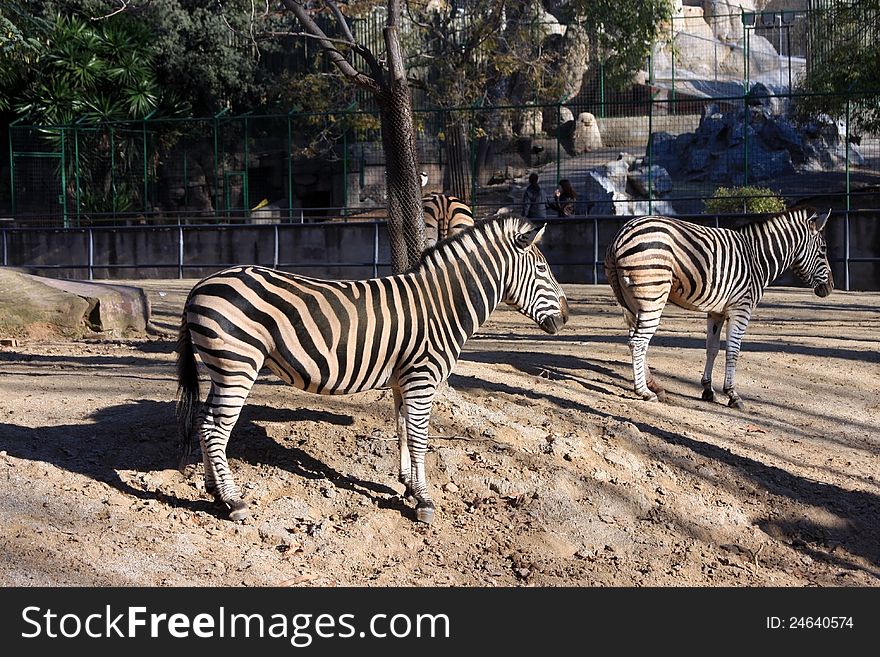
x=348, y=250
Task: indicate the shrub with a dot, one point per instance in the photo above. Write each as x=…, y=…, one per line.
x=729, y=200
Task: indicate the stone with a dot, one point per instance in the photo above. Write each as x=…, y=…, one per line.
x=656, y=176
x=663, y=151
x=531, y=121
x=586, y=134
x=70, y=306
x=602, y=194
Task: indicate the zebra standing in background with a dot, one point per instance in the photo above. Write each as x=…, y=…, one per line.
x=337, y=337
x=718, y=271
x=444, y=217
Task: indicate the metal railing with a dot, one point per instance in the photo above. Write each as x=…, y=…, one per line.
x=582, y=249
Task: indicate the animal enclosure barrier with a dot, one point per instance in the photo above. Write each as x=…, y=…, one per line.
x=575, y=248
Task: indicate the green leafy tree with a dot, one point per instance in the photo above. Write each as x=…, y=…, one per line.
x=844, y=72
x=19, y=46
x=731, y=200
x=99, y=75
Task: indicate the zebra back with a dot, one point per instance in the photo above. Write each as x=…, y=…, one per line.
x=346, y=336
x=707, y=268
x=445, y=215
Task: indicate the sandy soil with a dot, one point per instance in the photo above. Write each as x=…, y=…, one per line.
x=546, y=468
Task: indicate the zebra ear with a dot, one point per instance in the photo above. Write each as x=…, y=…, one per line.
x=820, y=221
x=525, y=240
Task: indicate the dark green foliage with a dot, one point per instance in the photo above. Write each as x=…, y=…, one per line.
x=845, y=68
x=732, y=200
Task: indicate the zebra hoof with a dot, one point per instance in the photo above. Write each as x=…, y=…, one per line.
x=737, y=404
x=661, y=395
x=708, y=395
x=425, y=513
x=238, y=510
x=650, y=396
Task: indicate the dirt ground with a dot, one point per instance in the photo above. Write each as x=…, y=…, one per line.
x=546, y=469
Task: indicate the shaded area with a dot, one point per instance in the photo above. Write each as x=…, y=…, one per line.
x=141, y=436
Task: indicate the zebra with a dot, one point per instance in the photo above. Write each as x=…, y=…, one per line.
x=655, y=259
x=403, y=331
x=445, y=216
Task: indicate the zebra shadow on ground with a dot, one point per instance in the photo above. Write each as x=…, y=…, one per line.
x=857, y=533
x=142, y=437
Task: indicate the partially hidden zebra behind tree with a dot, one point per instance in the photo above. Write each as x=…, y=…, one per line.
x=445, y=216
x=718, y=271
x=336, y=337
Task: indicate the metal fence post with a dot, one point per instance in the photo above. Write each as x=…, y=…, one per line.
x=846, y=216
x=289, y=169
x=846, y=250
x=146, y=161
x=91, y=254
x=595, y=250
x=76, y=170
x=376, y=250
x=180, y=252
x=5, y=260
x=846, y=160
x=275, y=250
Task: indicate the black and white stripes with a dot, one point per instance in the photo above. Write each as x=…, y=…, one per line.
x=445, y=216
x=721, y=272
x=335, y=337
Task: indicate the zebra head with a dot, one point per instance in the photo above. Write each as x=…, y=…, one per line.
x=811, y=261
x=531, y=287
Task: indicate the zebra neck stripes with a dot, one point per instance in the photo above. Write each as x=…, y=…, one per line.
x=774, y=244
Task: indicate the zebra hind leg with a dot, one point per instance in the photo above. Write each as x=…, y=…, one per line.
x=222, y=409
x=642, y=329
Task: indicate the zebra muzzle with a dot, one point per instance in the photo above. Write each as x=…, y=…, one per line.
x=552, y=324
x=823, y=289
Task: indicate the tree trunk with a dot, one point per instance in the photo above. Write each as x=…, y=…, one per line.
x=406, y=217
x=458, y=168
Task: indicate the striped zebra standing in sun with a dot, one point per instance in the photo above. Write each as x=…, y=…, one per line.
x=336, y=337
x=445, y=216
x=718, y=271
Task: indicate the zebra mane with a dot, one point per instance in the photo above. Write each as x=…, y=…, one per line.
x=806, y=210
x=484, y=225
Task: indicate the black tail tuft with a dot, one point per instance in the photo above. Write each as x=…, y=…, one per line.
x=187, y=393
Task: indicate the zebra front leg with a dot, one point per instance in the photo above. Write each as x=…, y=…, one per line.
x=405, y=472
x=714, y=322
x=417, y=410
x=736, y=329
x=222, y=409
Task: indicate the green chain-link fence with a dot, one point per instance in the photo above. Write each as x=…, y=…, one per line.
x=712, y=108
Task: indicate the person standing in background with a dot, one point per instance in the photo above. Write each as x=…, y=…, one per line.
x=565, y=203
x=533, y=201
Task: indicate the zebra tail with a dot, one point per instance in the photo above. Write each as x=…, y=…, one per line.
x=187, y=394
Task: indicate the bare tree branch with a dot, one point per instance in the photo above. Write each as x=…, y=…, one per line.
x=373, y=83
x=340, y=19
x=124, y=6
